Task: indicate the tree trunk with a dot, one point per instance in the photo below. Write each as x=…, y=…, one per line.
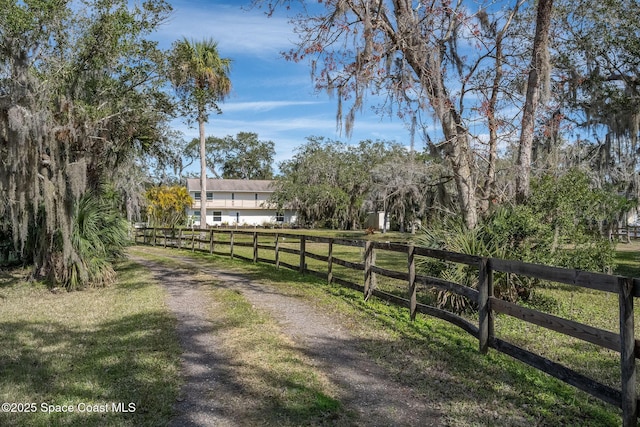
x=426, y=62
x=488, y=190
x=539, y=67
x=203, y=175
x=457, y=150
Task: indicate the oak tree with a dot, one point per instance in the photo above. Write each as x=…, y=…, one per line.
x=328, y=182
x=79, y=92
x=417, y=57
x=241, y=157
x=537, y=83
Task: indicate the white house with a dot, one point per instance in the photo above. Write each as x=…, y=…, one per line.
x=236, y=202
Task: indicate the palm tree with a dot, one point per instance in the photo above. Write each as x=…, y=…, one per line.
x=201, y=80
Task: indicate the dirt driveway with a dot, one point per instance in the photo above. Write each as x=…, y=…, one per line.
x=364, y=388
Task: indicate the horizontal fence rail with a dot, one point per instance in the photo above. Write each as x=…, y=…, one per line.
x=627, y=232
x=225, y=242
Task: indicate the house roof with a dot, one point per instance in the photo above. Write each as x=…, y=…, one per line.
x=233, y=185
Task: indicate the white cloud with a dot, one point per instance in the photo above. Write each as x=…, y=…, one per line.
x=236, y=30
x=262, y=106
x=271, y=97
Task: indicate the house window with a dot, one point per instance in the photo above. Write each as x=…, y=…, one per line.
x=209, y=195
x=233, y=196
x=280, y=217
x=196, y=195
x=217, y=216
x=256, y=197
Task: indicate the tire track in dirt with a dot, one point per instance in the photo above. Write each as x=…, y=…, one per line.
x=364, y=387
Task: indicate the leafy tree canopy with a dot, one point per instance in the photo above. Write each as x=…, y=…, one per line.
x=80, y=93
x=241, y=157
x=328, y=182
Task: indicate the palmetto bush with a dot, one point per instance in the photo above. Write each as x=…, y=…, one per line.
x=456, y=237
x=511, y=232
x=516, y=233
x=100, y=235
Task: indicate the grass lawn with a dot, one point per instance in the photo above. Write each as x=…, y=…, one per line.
x=95, y=352
x=442, y=362
x=628, y=259
x=104, y=349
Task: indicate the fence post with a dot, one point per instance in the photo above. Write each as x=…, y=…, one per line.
x=485, y=316
x=330, y=263
x=193, y=240
x=412, y=280
x=231, y=245
x=180, y=239
x=255, y=247
x=368, y=261
x=164, y=235
x=627, y=352
x=154, y=237
x=211, y=241
x=277, y=250
x=303, y=245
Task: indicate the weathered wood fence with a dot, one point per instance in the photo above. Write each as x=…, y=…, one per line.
x=626, y=288
x=627, y=233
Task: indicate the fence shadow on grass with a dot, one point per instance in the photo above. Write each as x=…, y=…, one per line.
x=427, y=350
x=436, y=348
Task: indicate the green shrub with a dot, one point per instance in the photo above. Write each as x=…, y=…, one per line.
x=559, y=225
x=99, y=237
x=455, y=237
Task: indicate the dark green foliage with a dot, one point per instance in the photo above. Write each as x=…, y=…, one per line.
x=574, y=217
x=560, y=225
x=80, y=95
x=332, y=184
x=6, y=246
x=100, y=235
x=241, y=157
x=454, y=236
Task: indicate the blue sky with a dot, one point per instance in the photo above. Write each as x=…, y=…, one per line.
x=271, y=96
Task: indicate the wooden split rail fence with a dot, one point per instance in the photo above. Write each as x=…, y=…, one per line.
x=626, y=288
x=627, y=233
